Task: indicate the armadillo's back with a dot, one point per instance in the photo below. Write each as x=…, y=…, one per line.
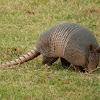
x=57, y=40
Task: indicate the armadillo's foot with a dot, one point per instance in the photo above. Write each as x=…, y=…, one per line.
x=49, y=60
x=65, y=63
x=79, y=69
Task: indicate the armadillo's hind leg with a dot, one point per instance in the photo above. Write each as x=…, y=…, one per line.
x=65, y=63
x=49, y=60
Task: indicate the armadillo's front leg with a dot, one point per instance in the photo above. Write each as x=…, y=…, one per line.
x=65, y=62
x=49, y=60
x=79, y=69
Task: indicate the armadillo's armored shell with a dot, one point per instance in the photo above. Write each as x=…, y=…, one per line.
x=66, y=40
x=52, y=42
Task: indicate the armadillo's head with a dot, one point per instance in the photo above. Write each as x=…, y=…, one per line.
x=93, y=60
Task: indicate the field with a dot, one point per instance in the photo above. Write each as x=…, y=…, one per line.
x=21, y=23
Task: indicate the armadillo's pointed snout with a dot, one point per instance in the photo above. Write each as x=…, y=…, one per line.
x=29, y=56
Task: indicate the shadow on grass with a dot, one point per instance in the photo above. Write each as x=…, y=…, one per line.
x=59, y=66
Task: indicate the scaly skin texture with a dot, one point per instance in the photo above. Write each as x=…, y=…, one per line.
x=73, y=43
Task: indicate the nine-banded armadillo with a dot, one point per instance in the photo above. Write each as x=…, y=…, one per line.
x=72, y=42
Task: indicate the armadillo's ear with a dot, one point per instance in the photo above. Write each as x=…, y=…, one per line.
x=91, y=48
x=98, y=50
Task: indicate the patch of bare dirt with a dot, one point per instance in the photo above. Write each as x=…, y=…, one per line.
x=92, y=10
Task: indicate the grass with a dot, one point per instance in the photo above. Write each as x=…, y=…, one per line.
x=21, y=23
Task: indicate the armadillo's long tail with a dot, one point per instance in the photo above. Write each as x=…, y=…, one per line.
x=29, y=56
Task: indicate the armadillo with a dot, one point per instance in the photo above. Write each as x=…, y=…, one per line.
x=73, y=43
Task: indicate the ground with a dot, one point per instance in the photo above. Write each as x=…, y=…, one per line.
x=21, y=23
